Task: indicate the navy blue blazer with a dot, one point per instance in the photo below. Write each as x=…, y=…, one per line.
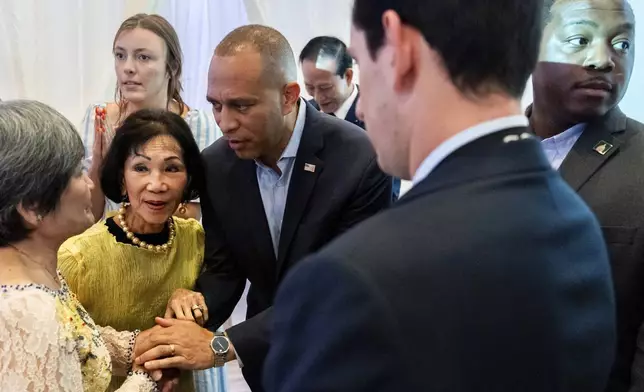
x=489, y=275
x=321, y=204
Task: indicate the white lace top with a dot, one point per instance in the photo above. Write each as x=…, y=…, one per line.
x=48, y=343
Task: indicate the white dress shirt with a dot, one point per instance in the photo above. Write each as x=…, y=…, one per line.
x=343, y=110
x=462, y=138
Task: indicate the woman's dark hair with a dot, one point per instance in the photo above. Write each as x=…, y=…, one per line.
x=138, y=129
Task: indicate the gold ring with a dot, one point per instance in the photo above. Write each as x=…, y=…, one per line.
x=172, y=350
x=195, y=307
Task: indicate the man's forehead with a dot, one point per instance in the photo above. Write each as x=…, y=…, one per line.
x=570, y=8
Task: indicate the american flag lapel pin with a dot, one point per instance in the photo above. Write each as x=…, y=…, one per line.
x=309, y=167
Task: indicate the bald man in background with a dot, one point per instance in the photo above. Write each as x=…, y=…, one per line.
x=278, y=189
x=586, y=60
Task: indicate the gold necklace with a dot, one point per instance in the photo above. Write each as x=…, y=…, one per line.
x=143, y=244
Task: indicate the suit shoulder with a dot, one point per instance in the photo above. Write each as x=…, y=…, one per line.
x=343, y=135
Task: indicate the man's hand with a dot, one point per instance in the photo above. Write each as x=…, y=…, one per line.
x=179, y=344
x=187, y=305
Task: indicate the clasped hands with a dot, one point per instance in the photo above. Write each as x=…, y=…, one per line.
x=178, y=341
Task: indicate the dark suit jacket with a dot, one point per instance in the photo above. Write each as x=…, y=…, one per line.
x=612, y=185
x=346, y=187
x=352, y=118
x=489, y=275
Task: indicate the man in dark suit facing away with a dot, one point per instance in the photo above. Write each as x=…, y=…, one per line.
x=586, y=60
x=327, y=67
x=283, y=181
x=490, y=274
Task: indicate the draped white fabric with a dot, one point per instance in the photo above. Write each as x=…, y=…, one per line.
x=59, y=52
x=201, y=25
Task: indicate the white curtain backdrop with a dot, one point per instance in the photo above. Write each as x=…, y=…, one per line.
x=59, y=52
x=201, y=25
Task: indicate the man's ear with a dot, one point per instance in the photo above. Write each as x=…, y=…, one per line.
x=290, y=96
x=402, y=41
x=348, y=76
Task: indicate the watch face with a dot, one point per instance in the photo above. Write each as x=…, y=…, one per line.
x=220, y=344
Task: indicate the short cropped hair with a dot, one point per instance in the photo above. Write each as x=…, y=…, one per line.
x=40, y=151
x=331, y=46
x=484, y=49
x=138, y=129
x=272, y=46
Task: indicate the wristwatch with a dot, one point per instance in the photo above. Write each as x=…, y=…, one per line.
x=220, y=345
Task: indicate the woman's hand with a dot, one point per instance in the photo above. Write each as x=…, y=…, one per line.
x=187, y=305
x=100, y=125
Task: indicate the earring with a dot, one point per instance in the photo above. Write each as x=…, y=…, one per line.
x=39, y=218
x=182, y=208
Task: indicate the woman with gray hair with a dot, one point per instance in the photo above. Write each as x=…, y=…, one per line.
x=47, y=340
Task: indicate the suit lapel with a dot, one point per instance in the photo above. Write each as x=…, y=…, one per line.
x=249, y=200
x=306, y=170
x=596, y=145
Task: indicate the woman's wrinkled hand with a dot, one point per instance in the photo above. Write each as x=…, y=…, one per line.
x=187, y=305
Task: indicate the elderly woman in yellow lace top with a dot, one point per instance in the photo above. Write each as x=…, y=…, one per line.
x=47, y=340
x=125, y=268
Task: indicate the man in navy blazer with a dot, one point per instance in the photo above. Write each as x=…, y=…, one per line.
x=282, y=182
x=327, y=67
x=491, y=273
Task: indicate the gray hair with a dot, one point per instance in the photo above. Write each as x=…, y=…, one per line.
x=40, y=151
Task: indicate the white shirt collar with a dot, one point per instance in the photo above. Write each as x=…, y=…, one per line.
x=462, y=138
x=343, y=110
